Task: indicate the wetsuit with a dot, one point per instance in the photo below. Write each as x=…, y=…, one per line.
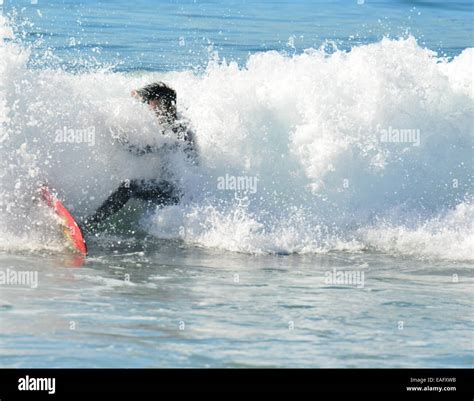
x=159, y=192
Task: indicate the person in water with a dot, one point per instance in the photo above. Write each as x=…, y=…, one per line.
x=162, y=101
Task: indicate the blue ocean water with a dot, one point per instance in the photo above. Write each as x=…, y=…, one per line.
x=294, y=93
x=178, y=35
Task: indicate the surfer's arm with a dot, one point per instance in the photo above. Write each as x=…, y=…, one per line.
x=147, y=149
x=183, y=136
x=141, y=150
x=132, y=148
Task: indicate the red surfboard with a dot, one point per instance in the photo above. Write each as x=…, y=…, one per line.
x=70, y=228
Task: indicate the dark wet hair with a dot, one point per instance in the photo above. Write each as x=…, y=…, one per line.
x=161, y=92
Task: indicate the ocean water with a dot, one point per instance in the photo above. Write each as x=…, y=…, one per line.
x=351, y=242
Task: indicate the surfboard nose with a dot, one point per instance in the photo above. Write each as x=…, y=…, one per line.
x=70, y=229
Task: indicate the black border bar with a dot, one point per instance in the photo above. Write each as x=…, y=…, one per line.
x=241, y=384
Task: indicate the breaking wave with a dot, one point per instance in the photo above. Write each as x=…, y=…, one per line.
x=315, y=152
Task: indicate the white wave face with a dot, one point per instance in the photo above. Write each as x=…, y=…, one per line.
x=450, y=236
x=316, y=152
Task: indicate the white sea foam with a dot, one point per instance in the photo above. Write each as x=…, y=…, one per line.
x=307, y=126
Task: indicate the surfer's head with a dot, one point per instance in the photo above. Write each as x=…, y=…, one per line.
x=160, y=97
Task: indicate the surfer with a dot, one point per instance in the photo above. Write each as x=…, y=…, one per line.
x=162, y=101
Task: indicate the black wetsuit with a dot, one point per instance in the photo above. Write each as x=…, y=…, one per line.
x=159, y=192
